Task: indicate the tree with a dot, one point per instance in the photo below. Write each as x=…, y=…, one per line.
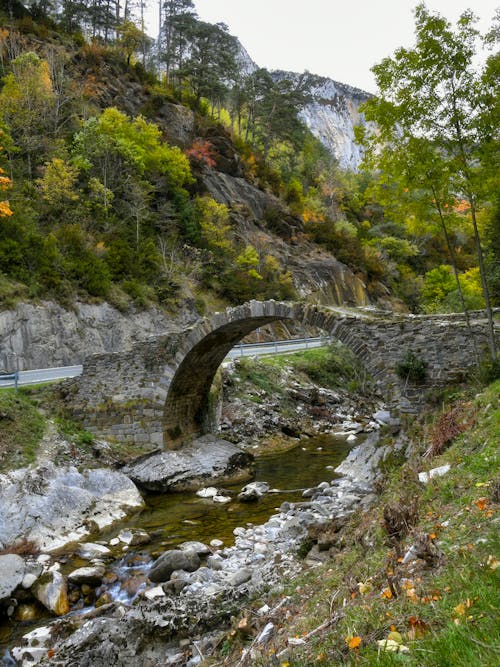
x=432, y=92
x=26, y=104
x=132, y=39
x=178, y=18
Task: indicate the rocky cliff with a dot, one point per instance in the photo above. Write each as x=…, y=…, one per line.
x=332, y=114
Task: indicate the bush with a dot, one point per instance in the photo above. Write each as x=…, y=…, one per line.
x=411, y=368
x=489, y=371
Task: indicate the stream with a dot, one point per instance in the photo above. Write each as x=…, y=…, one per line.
x=171, y=519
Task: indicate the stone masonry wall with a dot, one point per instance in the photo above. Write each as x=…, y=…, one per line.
x=158, y=392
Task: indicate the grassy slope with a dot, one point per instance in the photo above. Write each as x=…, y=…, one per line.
x=446, y=611
x=21, y=429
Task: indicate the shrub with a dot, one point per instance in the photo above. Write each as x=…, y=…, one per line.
x=489, y=371
x=456, y=420
x=411, y=368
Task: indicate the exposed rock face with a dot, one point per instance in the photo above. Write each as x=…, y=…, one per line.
x=205, y=458
x=45, y=335
x=332, y=114
x=54, y=506
x=11, y=574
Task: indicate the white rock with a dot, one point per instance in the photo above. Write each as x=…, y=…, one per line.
x=12, y=569
x=424, y=477
x=221, y=499
x=91, y=550
x=216, y=544
x=156, y=592
x=207, y=492
x=29, y=580
x=266, y=634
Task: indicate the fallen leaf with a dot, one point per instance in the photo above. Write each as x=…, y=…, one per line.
x=364, y=587
x=418, y=628
x=492, y=563
x=482, y=503
x=391, y=646
x=459, y=609
x=395, y=636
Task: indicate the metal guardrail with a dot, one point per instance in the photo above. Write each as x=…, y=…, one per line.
x=10, y=377
x=42, y=375
x=278, y=346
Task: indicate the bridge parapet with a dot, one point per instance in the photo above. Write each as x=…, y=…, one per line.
x=159, y=391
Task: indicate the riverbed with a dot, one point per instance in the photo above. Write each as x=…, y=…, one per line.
x=171, y=519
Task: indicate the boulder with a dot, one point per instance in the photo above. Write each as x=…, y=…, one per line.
x=52, y=591
x=198, y=547
x=253, y=491
x=87, y=575
x=90, y=550
x=176, y=559
x=239, y=577
x=12, y=568
x=52, y=506
x=206, y=458
x=134, y=537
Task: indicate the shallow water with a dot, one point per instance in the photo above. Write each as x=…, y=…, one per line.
x=175, y=518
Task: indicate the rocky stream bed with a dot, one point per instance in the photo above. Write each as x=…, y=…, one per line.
x=109, y=567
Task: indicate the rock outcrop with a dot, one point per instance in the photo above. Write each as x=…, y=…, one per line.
x=332, y=114
x=46, y=334
x=206, y=458
x=50, y=507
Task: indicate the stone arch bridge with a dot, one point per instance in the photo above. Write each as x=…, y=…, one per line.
x=159, y=391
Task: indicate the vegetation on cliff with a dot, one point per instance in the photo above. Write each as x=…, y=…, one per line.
x=101, y=206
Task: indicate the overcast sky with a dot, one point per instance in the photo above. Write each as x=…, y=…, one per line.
x=340, y=39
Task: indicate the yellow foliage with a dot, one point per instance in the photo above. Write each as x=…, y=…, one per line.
x=57, y=184
x=5, y=210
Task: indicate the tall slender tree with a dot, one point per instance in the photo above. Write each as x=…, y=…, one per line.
x=433, y=91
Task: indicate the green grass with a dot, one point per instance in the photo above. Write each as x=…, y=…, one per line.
x=331, y=367
x=21, y=429
x=446, y=613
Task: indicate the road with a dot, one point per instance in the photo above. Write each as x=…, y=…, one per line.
x=41, y=375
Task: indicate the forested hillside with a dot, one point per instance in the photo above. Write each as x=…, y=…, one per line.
x=149, y=171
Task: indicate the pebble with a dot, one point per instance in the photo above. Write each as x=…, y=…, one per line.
x=216, y=544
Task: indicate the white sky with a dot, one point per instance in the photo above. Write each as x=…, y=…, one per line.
x=340, y=39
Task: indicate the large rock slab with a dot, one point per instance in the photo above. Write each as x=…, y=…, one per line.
x=205, y=459
x=11, y=574
x=52, y=506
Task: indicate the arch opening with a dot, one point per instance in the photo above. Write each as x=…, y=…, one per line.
x=187, y=411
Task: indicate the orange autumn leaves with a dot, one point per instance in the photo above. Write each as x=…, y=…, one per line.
x=353, y=642
x=5, y=184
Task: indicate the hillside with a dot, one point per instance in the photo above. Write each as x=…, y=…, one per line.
x=180, y=184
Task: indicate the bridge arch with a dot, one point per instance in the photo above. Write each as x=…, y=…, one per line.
x=158, y=391
x=190, y=377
